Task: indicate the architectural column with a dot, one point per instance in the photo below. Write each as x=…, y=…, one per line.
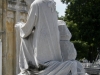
x=8, y=41
x=3, y=38
x=0, y=37
x=11, y=12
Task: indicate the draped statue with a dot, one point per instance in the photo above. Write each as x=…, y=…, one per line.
x=45, y=47
x=67, y=48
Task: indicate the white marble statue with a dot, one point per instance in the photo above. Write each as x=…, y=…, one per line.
x=40, y=43
x=67, y=48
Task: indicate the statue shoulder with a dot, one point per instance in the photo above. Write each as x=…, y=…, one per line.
x=51, y=4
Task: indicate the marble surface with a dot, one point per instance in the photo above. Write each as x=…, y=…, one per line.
x=40, y=43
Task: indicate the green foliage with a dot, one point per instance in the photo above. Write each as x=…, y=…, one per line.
x=67, y=1
x=61, y=18
x=74, y=30
x=84, y=17
x=82, y=49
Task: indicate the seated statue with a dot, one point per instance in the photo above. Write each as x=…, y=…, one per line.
x=40, y=52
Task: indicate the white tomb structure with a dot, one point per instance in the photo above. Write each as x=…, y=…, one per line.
x=0, y=57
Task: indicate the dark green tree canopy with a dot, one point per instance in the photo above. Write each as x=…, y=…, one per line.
x=85, y=14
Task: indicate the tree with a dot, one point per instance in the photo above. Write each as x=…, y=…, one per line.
x=61, y=18
x=86, y=15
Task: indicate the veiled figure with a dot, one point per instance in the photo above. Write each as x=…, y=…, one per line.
x=67, y=48
x=40, y=43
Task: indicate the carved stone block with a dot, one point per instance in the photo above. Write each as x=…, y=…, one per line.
x=10, y=14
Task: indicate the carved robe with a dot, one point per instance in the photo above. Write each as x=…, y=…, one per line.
x=67, y=48
x=40, y=41
x=41, y=44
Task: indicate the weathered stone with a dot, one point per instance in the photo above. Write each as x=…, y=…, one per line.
x=7, y=41
x=10, y=42
x=8, y=18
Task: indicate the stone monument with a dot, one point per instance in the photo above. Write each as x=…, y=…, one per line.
x=67, y=48
x=40, y=52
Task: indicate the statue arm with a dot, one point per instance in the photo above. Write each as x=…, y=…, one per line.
x=26, y=29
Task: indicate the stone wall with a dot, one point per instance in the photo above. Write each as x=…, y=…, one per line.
x=8, y=42
x=10, y=47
